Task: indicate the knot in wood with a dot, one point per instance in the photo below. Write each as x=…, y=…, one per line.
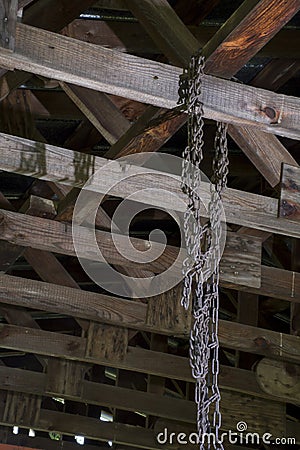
x=261, y=342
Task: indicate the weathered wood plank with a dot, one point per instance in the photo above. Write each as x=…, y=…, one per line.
x=160, y=21
x=99, y=110
x=279, y=379
x=92, y=428
x=147, y=81
x=261, y=416
x=63, y=378
x=61, y=165
x=106, y=342
x=147, y=403
x=225, y=56
x=123, y=398
x=166, y=311
x=232, y=335
x=258, y=21
x=240, y=261
x=21, y=408
x=289, y=206
x=287, y=286
x=8, y=20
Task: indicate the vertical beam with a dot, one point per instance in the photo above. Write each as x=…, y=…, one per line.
x=8, y=20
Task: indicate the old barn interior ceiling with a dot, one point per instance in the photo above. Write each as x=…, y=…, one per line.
x=83, y=82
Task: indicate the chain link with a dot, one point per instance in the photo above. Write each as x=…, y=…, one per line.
x=203, y=253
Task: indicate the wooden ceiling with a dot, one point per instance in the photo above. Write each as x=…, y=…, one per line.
x=83, y=82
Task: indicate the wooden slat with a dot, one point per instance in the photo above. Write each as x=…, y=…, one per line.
x=287, y=286
x=92, y=428
x=123, y=398
x=147, y=403
x=8, y=20
x=150, y=82
x=127, y=314
x=241, y=208
x=289, y=207
x=240, y=262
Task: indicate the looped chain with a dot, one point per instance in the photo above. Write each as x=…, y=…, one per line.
x=200, y=268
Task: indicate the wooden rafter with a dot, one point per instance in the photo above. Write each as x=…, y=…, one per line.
x=150, y=82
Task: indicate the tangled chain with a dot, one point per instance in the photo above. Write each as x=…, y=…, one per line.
x=200, y=268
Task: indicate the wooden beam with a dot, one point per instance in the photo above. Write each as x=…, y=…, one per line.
x=287, y=286
x=127, y=399
x=99, y=69
x=240, y=262
x=8, y=20
x=241, y=208
x=265, y=151
x=131, y=38
x=225, y=56
x=99, y=110
x=140, y=360
x=251, y=26
x=289, y=194
x=127, y=314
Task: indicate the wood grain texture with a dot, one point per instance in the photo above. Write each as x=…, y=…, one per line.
x=227, y=51
x=166, y=311
x=289, y=206
x=287, y=286
x=8, y=20
x=99, y=110
x=92, y=428
x=252, y=25
x=147, y=81
x=73, y=169
x=261, y=416
x=149, y=133
x=21, y=408
x=279, y=379
x=106, y=342
x=160, y=21
x=123, y=398
x=265, y=151
x=232, y=335
x=63, y=378
x=240, y=263
x=132, y=400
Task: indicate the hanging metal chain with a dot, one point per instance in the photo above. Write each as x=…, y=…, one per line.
x=200, y=268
